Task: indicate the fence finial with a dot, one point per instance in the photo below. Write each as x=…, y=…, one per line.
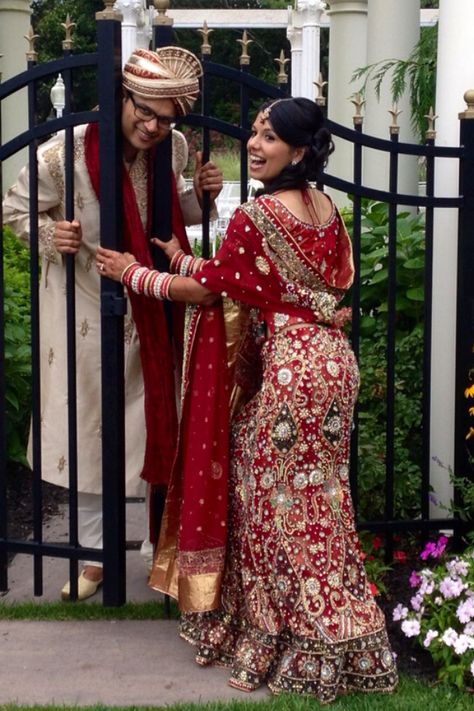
x=161, y=7
x=31, y=55
x=358, y=102
x=282, y=62
x=108, y=13
x=469, y=99
x=244, y=43
x=205, y=32
x=431, y=117
x=395, y=113
x=320, y=99
x=68, y=26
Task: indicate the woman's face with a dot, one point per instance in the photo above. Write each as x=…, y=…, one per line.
x=268, y=154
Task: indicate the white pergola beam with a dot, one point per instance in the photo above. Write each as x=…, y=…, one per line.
x=255, y=19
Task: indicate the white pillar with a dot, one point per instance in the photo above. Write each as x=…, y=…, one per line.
x=308, y=13
x=393, y=30
x=294, y=35
x=132, y=12
x=455, y=64
x=347, y=52
x=14, y=25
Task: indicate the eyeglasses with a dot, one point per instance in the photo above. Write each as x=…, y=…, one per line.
x=144, y=113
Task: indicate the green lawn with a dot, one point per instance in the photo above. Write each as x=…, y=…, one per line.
x=411, y=695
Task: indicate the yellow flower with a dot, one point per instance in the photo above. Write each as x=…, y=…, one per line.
x=469, y=392
x=471, y=411
x=470, y=433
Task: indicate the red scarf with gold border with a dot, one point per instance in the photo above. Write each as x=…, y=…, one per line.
x=156, y=350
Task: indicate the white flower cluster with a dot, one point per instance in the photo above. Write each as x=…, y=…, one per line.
x=441, y=612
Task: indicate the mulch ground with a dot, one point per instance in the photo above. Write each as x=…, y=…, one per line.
x=410, y=658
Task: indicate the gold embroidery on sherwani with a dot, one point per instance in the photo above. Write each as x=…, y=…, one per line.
x=89, y=263
x=79, y=201
x=54, y=159
x=84, y=328
x=138, y=176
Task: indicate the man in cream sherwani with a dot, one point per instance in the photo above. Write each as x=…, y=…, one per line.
x=158, y=87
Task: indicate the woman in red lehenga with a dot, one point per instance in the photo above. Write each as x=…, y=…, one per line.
x=258, y=541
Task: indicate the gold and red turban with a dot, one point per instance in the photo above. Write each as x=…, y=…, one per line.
x=165, y=73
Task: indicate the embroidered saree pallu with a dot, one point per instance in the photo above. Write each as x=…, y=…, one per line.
x=294, y=608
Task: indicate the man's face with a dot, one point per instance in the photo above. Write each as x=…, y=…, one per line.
x=139, y=132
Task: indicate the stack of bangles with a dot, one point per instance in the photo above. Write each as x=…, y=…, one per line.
x=185, y=264
x=147, y=282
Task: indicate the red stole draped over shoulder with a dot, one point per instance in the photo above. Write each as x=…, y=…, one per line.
x=191, y=549
x=155, y=345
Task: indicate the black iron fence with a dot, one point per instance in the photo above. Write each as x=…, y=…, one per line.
x=252, y=92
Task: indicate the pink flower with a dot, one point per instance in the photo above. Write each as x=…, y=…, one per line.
x=465, y=611
x=434, y=550
x=441, y=546
x=457, y=567
x=416, y=601
x=399, y=612
x=463, y=643
x=410, y=628
x=430, y=636
x=451, y=588
x=428, y=551
x=449, y=637
x=414, y=579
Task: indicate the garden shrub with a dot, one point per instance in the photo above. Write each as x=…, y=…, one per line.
x=17, y=345
x=408, y=361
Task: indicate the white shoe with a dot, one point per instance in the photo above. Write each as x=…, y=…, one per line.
x=85, y=588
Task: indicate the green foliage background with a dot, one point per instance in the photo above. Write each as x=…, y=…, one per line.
x=265, y=47
x=372, y=409
x=17, y=345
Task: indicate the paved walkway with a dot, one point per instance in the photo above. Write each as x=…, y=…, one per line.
x=139, y=663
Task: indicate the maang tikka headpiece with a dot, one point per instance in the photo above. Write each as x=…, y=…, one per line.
x=266, y=112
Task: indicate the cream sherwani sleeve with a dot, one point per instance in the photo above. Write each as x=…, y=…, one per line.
x=50, y=202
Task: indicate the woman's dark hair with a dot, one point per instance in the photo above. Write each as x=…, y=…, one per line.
x=299, y=122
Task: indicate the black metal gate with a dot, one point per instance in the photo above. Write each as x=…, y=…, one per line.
x=107, y=62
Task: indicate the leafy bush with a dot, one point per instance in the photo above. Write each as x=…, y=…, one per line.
x=17, y=345
x=372, y=360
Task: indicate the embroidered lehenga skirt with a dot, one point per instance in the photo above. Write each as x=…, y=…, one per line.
x=296, y=609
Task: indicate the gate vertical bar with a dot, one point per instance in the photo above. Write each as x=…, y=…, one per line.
x=463, y=447
x=355, y=330
x=162, y=194
x=391, y=319
x=427, y=329
x=112, y=308
x=206, y=148
x=35, y=330
x=71, y=328
x=3, y=437
x=244, y=118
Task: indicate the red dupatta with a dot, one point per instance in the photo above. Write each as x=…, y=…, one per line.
x=155, y=346
x=260, y=264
